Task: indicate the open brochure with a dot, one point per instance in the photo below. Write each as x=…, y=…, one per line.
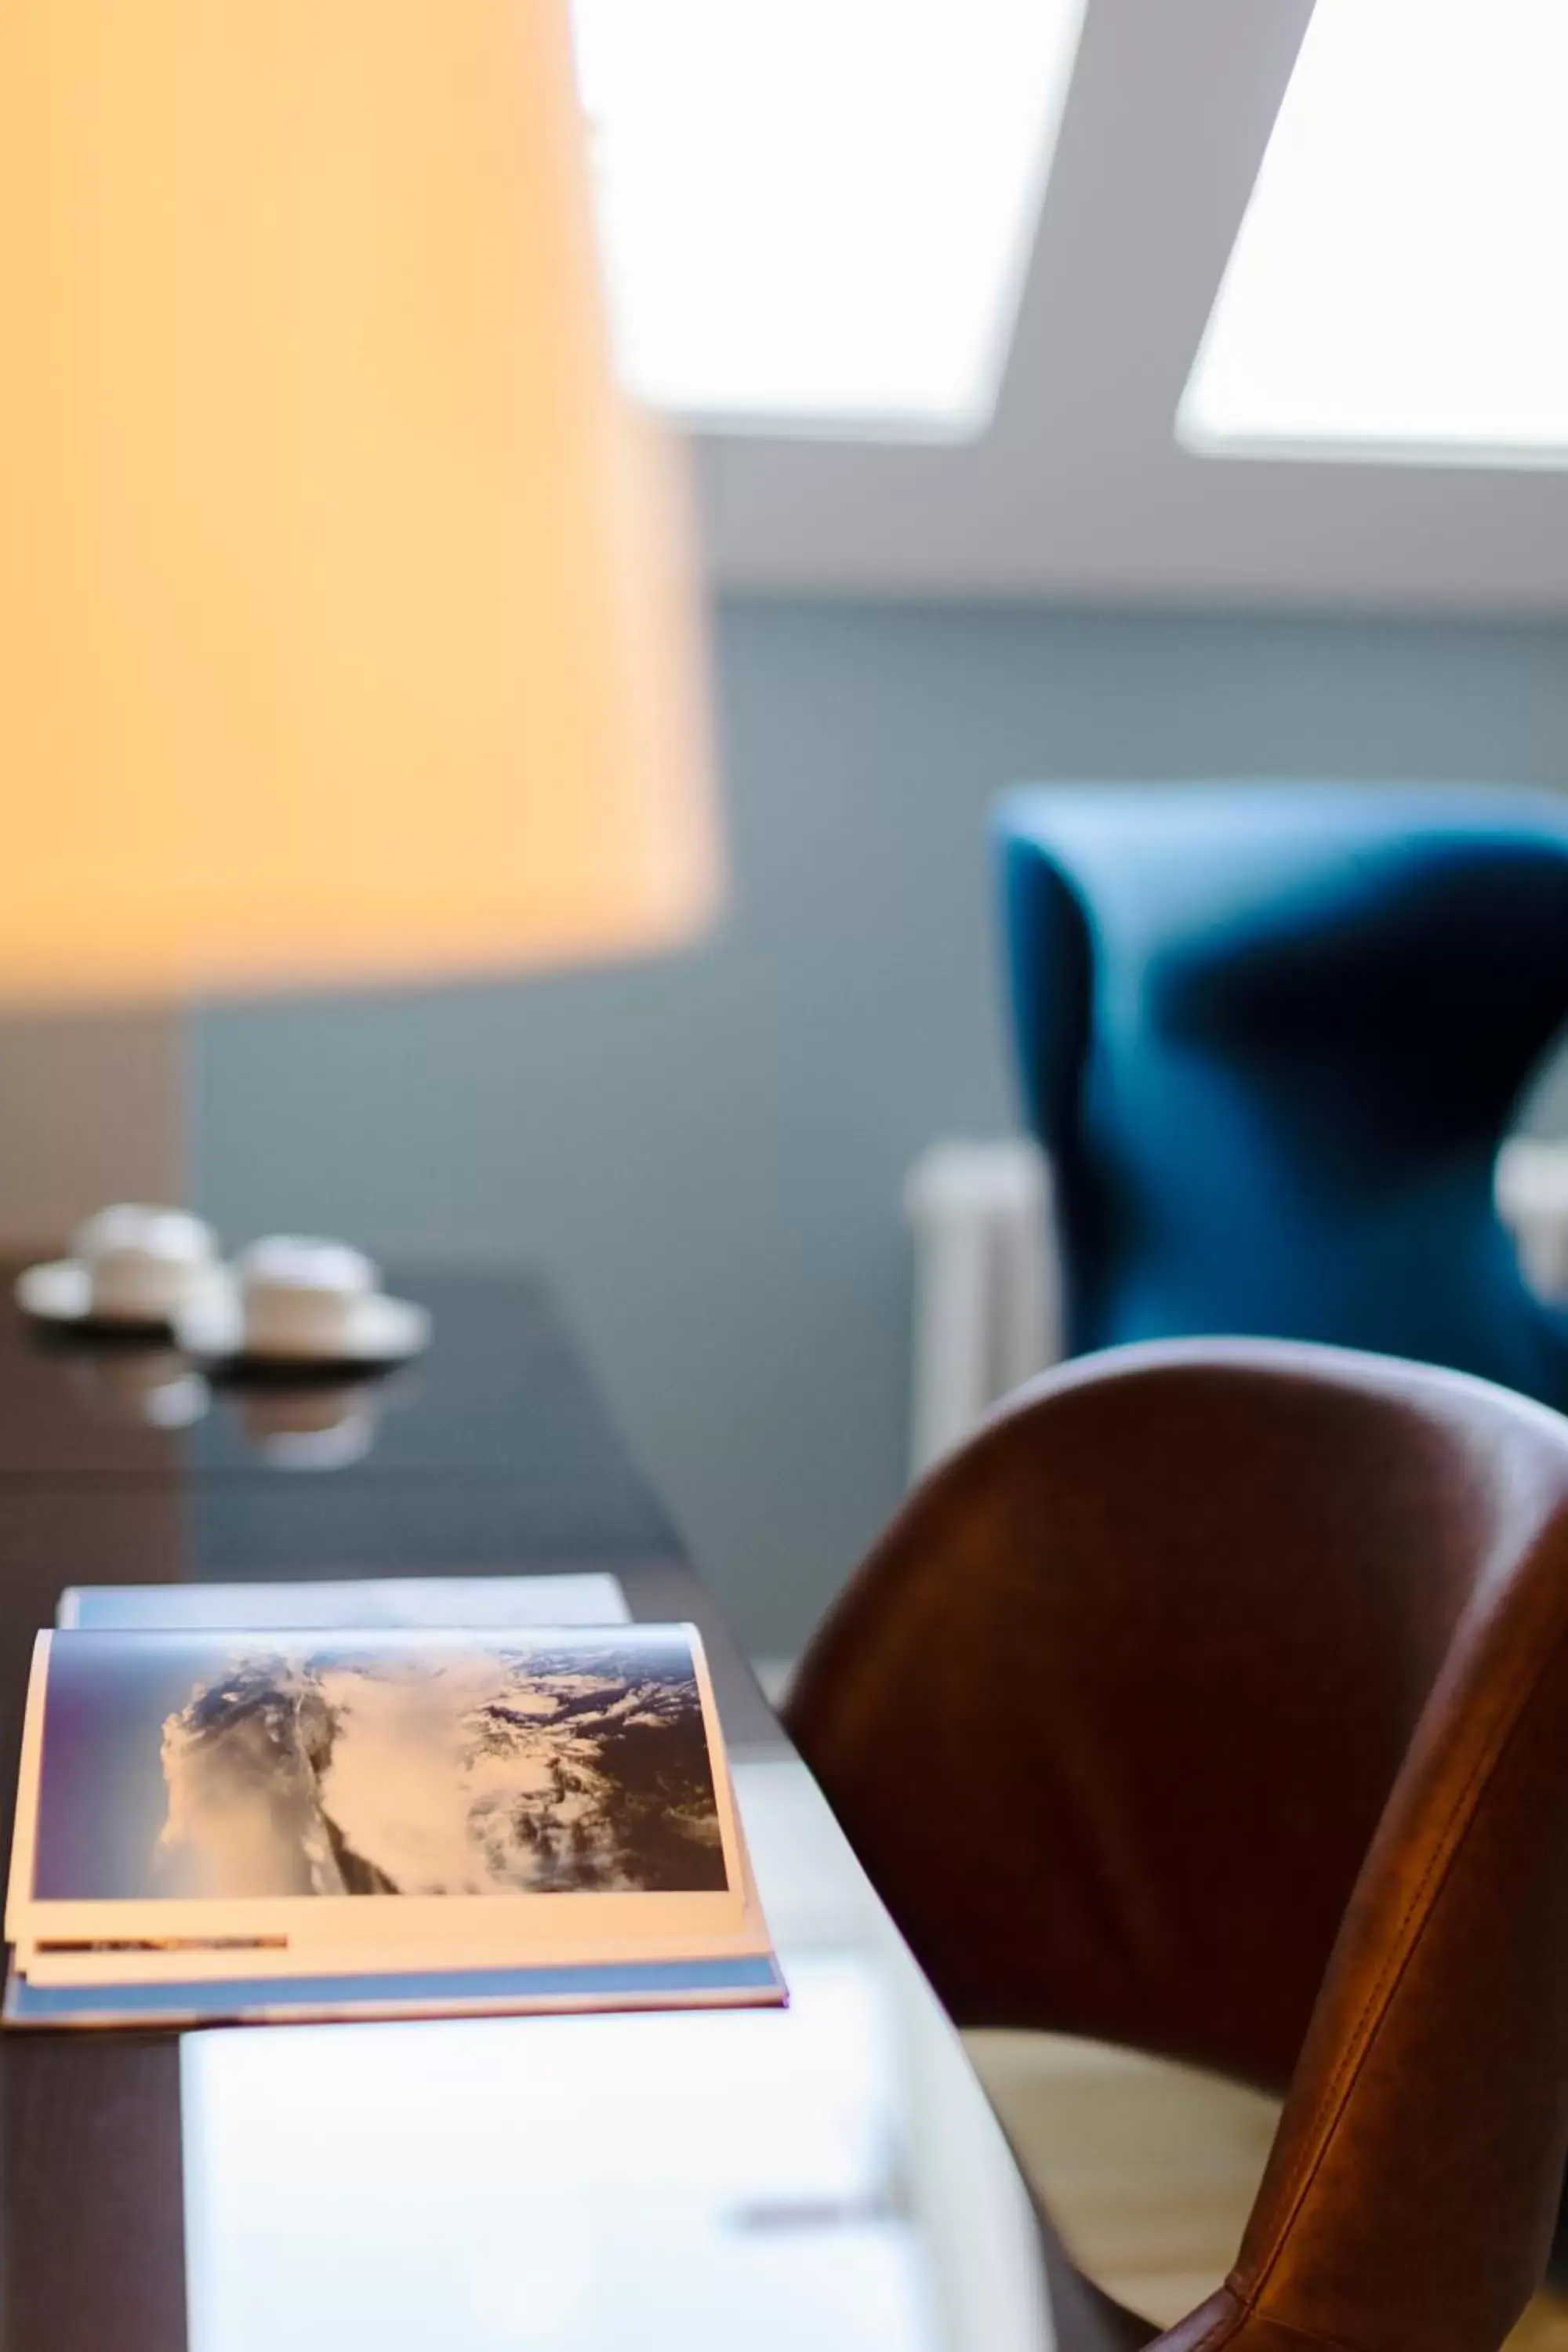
x=220, y=1823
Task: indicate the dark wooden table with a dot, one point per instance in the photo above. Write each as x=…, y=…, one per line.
x=826, y=2176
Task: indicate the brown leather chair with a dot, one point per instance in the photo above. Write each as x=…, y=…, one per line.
x=1213, y=1700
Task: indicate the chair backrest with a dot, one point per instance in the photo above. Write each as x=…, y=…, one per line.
x=1214, y=1700
x=1273, y=1036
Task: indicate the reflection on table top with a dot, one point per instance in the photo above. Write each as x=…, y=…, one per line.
x=829, y=2176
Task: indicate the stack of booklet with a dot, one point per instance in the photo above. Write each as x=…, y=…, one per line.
x=282, y=1802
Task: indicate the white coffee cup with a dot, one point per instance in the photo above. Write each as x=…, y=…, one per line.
x=298, y=1295
x=143, y=1265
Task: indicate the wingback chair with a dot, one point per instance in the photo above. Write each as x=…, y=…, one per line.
x=1213, y=1700
x=1272, y=1037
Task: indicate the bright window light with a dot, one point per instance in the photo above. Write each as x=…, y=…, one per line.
x=816, y=214
x=1397, y=288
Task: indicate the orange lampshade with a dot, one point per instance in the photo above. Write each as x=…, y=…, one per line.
x=346, y=628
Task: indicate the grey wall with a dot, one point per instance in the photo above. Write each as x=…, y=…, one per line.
x=706, y=1152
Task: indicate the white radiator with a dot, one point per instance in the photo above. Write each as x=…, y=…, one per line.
x=987, y=1291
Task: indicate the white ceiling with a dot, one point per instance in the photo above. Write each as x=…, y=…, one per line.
x=1079, y=490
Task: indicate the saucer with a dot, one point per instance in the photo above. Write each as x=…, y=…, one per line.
x=60, y=1293
x=377, y=1331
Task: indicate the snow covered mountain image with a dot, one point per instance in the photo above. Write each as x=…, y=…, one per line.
x=427, y=1765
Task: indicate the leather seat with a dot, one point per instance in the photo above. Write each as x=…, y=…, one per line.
x=1212, y=1701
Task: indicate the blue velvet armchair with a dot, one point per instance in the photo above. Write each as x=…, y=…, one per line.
x=1272, y=1037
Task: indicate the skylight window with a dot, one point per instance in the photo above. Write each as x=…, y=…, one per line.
x=1397, y=288
x=816, y=214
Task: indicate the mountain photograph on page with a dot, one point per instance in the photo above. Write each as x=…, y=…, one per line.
x=234, y=1766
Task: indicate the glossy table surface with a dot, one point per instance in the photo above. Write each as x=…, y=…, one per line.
x=827, y=2175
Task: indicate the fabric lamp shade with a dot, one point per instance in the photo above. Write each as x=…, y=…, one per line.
x=347, y=629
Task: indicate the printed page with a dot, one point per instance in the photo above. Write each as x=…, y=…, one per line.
x=200, y=1801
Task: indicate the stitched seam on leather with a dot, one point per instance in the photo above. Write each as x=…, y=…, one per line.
x=1287, y=2327
x=1330, y=2111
